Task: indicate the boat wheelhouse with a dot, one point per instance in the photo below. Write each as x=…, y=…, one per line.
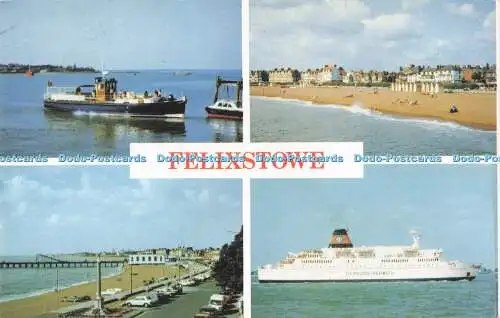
x=104, y=97
x=226, y=108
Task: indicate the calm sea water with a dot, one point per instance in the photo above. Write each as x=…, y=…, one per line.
x=22, y=283
x=275, y=120
x=384, y=300
x=26, y=128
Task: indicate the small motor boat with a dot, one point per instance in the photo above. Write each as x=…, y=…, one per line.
x=227, y=109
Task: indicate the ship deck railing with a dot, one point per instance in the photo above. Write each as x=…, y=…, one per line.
x=51, y=90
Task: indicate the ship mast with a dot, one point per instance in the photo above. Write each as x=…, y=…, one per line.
x=239, y=88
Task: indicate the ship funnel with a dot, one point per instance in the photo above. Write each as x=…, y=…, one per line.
x=416, y=238
x=340, y=239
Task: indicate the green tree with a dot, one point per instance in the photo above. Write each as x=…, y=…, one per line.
x=228, y=270
x=476, y=76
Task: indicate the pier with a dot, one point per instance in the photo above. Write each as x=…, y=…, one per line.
x=61, y=264
x=44, y=261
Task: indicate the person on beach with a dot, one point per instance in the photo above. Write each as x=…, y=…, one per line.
x=453, y=109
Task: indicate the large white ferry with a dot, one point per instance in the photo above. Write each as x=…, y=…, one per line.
x=342, y=262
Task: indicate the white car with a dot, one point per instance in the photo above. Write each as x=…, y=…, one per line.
x=111, y=292
x=188, y=282
x=167, y=291
x=216, y=304
x=140, y=301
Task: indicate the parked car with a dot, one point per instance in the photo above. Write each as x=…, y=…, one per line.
x=216, y=302
x=208, y=310
x=165, y=292
x=76, y=299
x=141, y=301
x=178, y=288
x=111, y=292
x=204, y=315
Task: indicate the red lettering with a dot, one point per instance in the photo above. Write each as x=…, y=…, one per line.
x=174, y=161
x=296, y=159
x=233, y=160
x=219, y=161
x=263, y=155
x=280, y=159
x=248, y=157
x=316, y=156
x=191, y=160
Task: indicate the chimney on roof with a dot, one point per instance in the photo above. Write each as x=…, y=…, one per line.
x=340, y=239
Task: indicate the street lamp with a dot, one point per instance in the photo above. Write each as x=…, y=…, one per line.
x=57, y=285
x=131, y=266
x=99, y=304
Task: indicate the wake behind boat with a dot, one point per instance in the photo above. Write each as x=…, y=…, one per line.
x=342, y=262
x=103, y=97
x=226, y=108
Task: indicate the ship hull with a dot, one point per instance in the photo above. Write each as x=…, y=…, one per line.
x=366, y=275
x=223, y=114
x=162, y=109
x=368, y=280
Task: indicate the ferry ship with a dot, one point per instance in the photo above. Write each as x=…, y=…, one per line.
x=103, y=97
x=342, y=262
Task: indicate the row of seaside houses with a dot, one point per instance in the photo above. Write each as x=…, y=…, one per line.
x=412, y=74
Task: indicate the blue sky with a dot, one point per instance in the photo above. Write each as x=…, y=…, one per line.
x=66, y=209
x=127, y=34
x=452, y=207
x=367, y=34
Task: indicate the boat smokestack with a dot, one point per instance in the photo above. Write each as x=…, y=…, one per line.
x=340, y=239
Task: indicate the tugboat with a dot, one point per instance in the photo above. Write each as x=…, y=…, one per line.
x=103, y=97
x=226, y=108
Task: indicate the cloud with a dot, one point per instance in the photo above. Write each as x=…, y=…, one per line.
x=487, y=32
x=203, y=196
x=308, y=34
x=199, y=197
x=227, y=200
x=465, y=9
x=413, y=4
x=53, y=219
x=392, y=26
x=21, y=208
x=320, y=13
x=321, y=28
x=130, y=213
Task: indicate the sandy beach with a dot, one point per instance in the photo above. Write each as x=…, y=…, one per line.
x=477, y=110
x=33, y=306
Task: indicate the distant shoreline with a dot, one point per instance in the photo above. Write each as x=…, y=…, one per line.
x=54, y=72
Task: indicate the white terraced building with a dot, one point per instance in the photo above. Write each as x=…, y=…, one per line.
x=150, y=259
